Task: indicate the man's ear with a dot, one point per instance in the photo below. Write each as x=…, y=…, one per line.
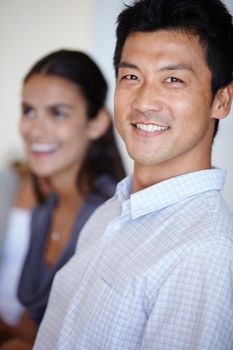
x=99, y=124
x=222, y=102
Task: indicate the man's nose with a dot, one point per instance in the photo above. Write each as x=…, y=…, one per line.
x=148, y=98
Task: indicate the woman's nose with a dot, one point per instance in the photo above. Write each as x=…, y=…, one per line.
x=38, y=126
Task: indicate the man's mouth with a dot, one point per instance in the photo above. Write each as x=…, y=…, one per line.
x=150, y=127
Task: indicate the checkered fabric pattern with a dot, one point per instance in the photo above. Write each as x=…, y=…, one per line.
x=152, y=271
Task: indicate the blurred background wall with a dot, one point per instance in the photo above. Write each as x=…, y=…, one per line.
x=30, y=29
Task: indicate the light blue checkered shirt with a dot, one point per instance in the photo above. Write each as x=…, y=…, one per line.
x=153, y=270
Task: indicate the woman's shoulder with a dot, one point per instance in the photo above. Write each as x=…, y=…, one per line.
x=8, y=176
x=47, y=205
x=105, y=187
x=9, y=184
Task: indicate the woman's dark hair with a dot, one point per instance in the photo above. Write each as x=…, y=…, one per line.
x=103, y=157
x=209, y=19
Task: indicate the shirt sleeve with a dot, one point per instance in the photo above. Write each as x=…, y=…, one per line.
x=193, y=309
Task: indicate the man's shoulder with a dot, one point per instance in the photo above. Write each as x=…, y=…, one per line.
x=98, y=221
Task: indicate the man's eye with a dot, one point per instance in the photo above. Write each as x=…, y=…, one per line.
x=173, y=80
x=130, y=77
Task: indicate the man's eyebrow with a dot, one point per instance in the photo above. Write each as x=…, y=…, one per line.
x=125, y=64
x=178, y=66
x=170, y=67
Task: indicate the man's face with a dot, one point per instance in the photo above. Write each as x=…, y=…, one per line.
x=163, y=102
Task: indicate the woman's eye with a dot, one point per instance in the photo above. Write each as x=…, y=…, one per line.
x=58, y=113
x=28, y=112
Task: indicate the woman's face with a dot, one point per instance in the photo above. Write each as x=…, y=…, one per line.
x=54, y=125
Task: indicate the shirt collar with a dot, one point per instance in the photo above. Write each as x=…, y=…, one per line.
x=169, y=191
x=123, y=189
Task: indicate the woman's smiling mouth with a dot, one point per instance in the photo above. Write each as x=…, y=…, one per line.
x=44, y=147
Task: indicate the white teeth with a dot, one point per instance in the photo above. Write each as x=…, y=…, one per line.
x=151, y=127
x=44, y=147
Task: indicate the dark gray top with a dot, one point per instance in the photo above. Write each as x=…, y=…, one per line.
x=37, y=276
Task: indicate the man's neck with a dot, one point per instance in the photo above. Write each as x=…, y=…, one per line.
x=145, y=176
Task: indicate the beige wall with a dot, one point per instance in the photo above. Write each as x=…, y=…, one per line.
x=28, y=30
